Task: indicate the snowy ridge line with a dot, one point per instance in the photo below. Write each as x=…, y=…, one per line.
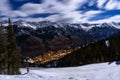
x=40, y=24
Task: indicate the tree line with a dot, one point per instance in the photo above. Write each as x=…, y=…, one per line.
x=9, y=51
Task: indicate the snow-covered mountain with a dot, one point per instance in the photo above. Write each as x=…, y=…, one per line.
x=84, y=26
x=103, y=31
x=97, y=31
x=41, y=24
x=55, y=36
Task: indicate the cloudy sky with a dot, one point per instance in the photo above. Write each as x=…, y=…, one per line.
x=70, y=11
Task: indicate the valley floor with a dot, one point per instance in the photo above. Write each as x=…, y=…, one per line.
x=102, y=71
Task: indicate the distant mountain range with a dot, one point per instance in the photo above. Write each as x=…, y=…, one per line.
x=35, y=38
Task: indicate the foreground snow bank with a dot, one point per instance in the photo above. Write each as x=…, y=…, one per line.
x=102, y=71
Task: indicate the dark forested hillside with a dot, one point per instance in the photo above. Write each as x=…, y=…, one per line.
x=101, y=51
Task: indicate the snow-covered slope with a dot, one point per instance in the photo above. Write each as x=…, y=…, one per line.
x=102, y=71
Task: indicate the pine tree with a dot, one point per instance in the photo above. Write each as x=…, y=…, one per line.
x=2, y=51
x=13, y=52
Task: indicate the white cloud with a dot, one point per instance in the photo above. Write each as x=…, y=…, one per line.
x=29, y=19
x=76, y=17
x=108, y=4
x=13, y=14
x=73, y=17
x=18, y=13
x=4, y=6
x=92, y=2
x=66, y=9
x=52, y=6
x=30, y=8
x=115, y=18
x=6, y=10
x=100, y=3
x=112, y=4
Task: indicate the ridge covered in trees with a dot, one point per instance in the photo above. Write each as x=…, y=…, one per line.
x=102, y=51
x=106, y=50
